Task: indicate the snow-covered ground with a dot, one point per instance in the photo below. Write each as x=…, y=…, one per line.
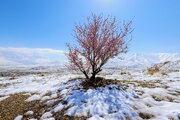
x=140, y=96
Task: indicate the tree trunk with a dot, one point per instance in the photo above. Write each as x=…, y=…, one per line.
x=93, y=77
x=87, y=77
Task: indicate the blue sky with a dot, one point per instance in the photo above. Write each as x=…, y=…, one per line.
x=49, y=23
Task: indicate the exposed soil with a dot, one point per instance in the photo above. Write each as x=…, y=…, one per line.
x=146, y=116
x=98, y=82
x=13, y=106
x=15, y=74
x=101, y=82
x=4, y=85
x=16, y=105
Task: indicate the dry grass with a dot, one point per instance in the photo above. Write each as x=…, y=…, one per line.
x=14, y=74
x=99, y=82
x=144, y=84
x=163, y=73
x=153, y=70
x=145, y=115
x=8, y=84
x=162, y=98
x=4, y=85
x=125, y=73
x=13, y=106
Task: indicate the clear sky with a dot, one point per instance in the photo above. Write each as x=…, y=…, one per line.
x=49, y=23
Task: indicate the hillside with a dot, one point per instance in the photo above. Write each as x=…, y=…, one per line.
x=48, y=58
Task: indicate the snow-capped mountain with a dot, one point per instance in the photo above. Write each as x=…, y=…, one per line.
x=15, y=57
x=142, y=60
x=169, y=65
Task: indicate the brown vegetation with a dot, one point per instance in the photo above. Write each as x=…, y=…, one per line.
x=146, y=115
x=99, y=82
x=16, y=105
x=153, y=70
x=14, y=74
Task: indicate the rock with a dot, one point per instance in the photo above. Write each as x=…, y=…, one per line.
x=29, y=113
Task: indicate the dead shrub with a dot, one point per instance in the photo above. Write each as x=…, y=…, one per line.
x=98, y=82
x=153, y=70
x=163, y=73
x=146, y=115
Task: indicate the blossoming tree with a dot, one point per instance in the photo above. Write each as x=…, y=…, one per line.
x=99, y=40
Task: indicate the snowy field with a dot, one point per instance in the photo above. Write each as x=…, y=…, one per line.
x=136, y=96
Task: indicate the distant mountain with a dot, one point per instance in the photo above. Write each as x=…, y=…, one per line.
x=41, y=58
x=169, y=65
x=142, y=60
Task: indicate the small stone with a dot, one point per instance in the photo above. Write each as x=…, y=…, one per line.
x=29, y=113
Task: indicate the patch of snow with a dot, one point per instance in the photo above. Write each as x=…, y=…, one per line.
x=54, y=95
x=3, y=98
x=164, y=108
x=29, y=113
x=46, y=115
x=104, y=103
x=49, y=118
x=34, y=97
x=164, y=111
x=45, y=98
x=58, y=108
x=95, y=117
x=19, y=117
x=35, y=83
x=174, y=85
x=110, y=102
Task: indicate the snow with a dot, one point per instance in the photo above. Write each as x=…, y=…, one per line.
x=46, y=115
x=104, y=103
x=45, y=98
x=19, y=117
x=142, y=61
x=96, y=117
x=49, y=118
x=163, y=110
x=3, y=98
x=58, y=108
x=35, y=84
x=167, y=106
x=141, y=75
x=110, y=102
x=29, y=113
x=34, y=97
x=174, y=85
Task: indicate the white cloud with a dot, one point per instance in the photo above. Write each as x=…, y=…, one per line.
x=30, y=56
x=30, y=51
x=5, y=62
